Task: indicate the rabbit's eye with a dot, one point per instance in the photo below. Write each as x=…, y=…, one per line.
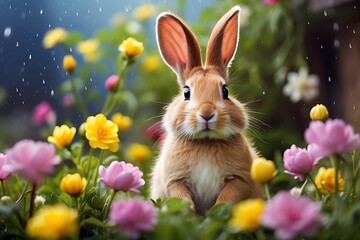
x=187, y=93
x=225, y=93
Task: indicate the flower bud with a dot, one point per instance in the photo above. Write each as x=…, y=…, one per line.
x=69, y=63
x=319, y=112
x=73, y=184
x=111, y=83
x=39, y=201
x=262, y=170
x=131, y=47
x=5, y=199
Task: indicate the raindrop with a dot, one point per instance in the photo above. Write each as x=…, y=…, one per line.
x=321, y=46
x=43, y=81
x=263, y=93
x=7, y=32
x=70, y=49
x=23, y=15
x=325, y=13
x=16, y=89
x=77, y=14
x=91, y=79
x=354, y=31
x=23, y=79
x=336, y=26
x=126, y=9
x=307, y=58
x=100, y=9
x=17, y=44
x=23, y=103
x=308, y=23
x=85, y=87
x=354, y=107
x=30, y=57
x=336, y=43
x=52, y=93
x=334, y=102
x=329, y=79
x=350, y=46
x=41, y=11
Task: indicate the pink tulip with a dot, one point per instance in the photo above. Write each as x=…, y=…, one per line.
x=271, y=2
x=122, y=176
x=298, y=161
x=4, y=173
x=32, y=159
x=133, y=216
x=333, y=136
x=43, y=113
x=291, y=216
x=111, y=83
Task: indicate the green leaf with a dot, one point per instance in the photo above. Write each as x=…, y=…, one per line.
x=92, y=221
x=174, y=205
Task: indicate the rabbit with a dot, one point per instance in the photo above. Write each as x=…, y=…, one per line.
x=204, y=158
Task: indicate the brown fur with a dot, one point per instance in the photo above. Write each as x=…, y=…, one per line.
x=205, y=158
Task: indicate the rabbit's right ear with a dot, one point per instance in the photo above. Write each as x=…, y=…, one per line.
x=178, y=45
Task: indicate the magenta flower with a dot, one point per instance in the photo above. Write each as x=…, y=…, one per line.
x=298, y=161
x=271, y=2
x=122, y=176
x=43, y=113
x=291, y=216
x=133, y=216
x=32, y=160
x=111, y=83
x=4, y=172
x=333, y=136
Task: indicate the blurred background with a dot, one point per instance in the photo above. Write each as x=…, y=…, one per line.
x=316, y=43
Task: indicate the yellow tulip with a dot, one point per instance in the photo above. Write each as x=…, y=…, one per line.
x=102, y=133
x=319, y=112
x=53, y=222
x=262, y=170
x=73, y=184
x=62, y=136
x=131, y=47
x=325, y=180
x=246, y=214
x=123, y=122
x=53, y=37
x=138, y=152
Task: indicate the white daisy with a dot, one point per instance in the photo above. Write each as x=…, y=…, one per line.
x=301, y=86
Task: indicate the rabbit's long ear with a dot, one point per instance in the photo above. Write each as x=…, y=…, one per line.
x=178, y=45
x=223, y=41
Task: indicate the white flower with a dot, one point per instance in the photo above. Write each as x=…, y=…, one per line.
x=301, y=86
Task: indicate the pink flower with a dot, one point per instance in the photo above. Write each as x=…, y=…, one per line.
x=43, y=113
x=298, y=161
x=68, y=100
x=111, y=83
x=291, y=216
x=271, y=2
x=133, y=216
x=32, y=159
x=122, y=176
x=4, y=172
x=333, y=136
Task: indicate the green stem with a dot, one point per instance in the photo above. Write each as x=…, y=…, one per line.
x=3, y=187
x=110, y=101
x=318, y=194
x=336, y=166
x=97, y=166
x=267, y=191
x=303, y=187
x=260, y=235
x=88, y=174
x=32, y=199
x=23, y=192
x=108, y=204
x=76, y=97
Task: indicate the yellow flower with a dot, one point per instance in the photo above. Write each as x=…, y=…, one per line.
x=246, y=214
x=131, y=47
x=53, y=222
x=123, y=122
x=325, y=180
x=138, y=152
x=62, y=136
x=89, y=50
x=69, y=63
x=102, y=133
x=319, y=112
x=73, y=184
x=262, y=170
x=151, y=63
x=144, y=12
x=53, y=37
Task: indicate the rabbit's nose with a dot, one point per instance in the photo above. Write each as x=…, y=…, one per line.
x=207, y=111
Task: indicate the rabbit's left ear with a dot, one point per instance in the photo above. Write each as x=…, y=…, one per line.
x=223, y=41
